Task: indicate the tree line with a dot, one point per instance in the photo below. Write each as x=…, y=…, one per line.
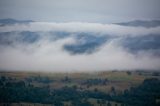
x=145, y=94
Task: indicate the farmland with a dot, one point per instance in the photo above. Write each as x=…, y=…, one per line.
x=107, y=88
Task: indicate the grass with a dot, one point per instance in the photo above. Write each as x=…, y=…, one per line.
x=119, y=79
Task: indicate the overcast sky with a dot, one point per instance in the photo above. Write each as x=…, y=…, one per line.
x=103, y=11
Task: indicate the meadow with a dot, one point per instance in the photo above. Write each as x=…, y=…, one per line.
x=106, y=88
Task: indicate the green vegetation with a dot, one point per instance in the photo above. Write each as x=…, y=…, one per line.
x=80, y=89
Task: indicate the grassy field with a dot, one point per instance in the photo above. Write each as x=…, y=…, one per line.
x=119, y=79
x=93, y=81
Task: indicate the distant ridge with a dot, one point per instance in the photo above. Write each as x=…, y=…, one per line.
x=141, y=23
x=10, y=21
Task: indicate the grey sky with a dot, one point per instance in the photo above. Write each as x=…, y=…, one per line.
x=102, y=11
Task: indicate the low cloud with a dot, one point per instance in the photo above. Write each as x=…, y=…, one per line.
x=48, y=53
x=110, y=29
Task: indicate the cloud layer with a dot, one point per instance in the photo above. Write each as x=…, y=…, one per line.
x=76, y=46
